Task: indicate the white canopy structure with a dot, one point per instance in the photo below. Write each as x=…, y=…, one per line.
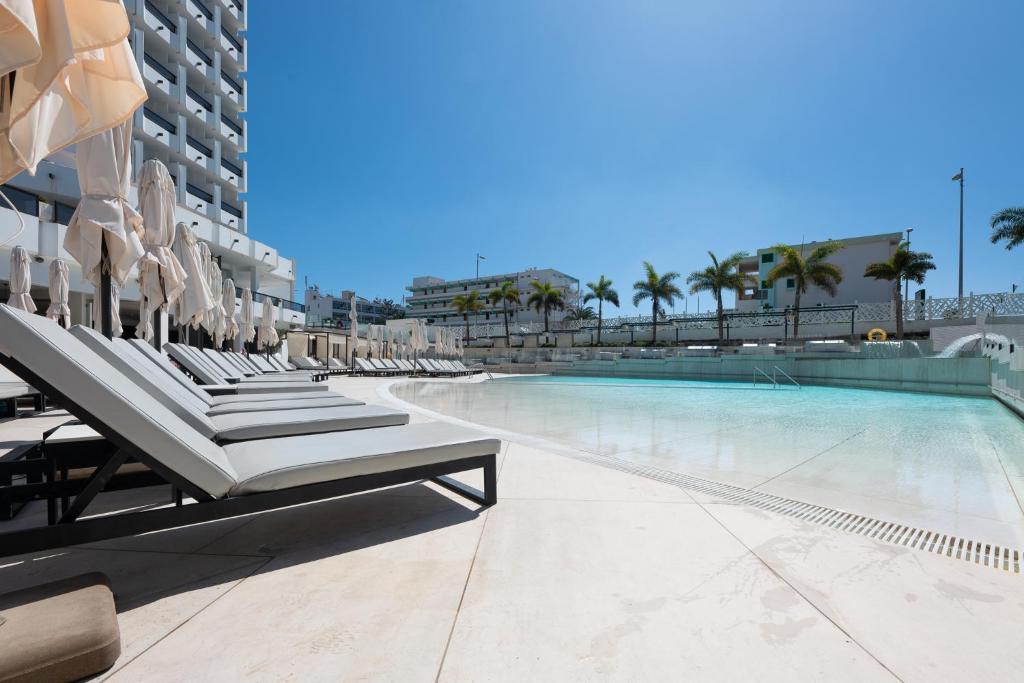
x=196, y=300
x=73, y=75
x=60, y=276
x=161, y=275
x=268, y=334
x=21, y=280
x=247, y=327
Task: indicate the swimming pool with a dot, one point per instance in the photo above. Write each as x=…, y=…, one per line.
x=952, y=463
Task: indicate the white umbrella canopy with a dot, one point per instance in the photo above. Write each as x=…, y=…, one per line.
x=196, y=299
x=247, y=328
x=161, y=275
x=228, y=302
x=218, y=316
x=21, y=280
x=73, y=73
x=60, y=276
x=116, y=329
x=205, y=262
x=268, y=335
x=105, y=232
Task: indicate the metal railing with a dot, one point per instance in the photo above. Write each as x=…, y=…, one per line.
x=768, y=377
x=785, y=374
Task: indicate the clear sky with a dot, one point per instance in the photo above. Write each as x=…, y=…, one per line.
x=393, y=139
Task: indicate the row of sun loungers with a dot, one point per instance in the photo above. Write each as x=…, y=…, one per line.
x=426, y=366
x=251, y=437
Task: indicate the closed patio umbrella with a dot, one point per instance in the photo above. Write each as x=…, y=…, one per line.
x=196, y=299
x=247, y=329
x=67, y=73
x=268, y=335
x=205, y=261
x=105, y=232
x=161, y=275
x=21, y=280
x=353, y=330
x=228, y=301
x=59, y=285
x=218, y=316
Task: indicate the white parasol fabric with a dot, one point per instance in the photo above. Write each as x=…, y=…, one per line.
x=60, y=276
x=268, y=335
x=161, y=275
x=196, y=299
x=116, y=329
x=228, y=302
x=218, y=316
x=73, y=76
x=104, y=219
x=353, y=330
x=246, y=328
x=460, y=350
x=205, y=261
x=21, y=280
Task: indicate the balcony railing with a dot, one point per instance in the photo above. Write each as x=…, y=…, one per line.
x=237, y=170
x=258, y=297
x=231, y=39
x=200, y=100
x=231, y=124
x=160, y=121
x=155, y=64
x=199, y=193
x=237, y=213
x=231, y=82
x=161, y=17
x=199, y=52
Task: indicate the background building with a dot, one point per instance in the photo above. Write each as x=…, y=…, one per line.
x=323, y=309
x=431, y=297
x=853, y=258
x=192, y=55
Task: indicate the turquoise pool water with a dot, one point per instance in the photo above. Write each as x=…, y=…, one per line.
x=919, y=457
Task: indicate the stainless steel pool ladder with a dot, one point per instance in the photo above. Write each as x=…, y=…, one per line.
x=784, y=374
x=766, y=376
x=776, y=370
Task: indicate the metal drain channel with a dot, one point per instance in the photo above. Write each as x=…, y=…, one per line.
x=946, y=545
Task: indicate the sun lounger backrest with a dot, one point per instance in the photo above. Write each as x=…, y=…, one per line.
x=314, y=364
x=275, y=361
x=300, y=362
x=110, y=403
x=243, y=361
x=222, y=364
x=260, y=361
x=364, y=366
x=160, y=387
x=234, y=361
x=145, y=351
x=335, y=364
x=378, y=365
x=422, y=363
x=196, y=367
x=203, y=356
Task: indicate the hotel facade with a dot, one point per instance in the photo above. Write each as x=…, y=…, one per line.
x=192, y=55
x=431, y=297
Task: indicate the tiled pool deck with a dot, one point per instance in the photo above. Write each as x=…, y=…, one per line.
x=580, y=572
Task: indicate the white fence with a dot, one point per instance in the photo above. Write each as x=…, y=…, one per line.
x=1005, y=303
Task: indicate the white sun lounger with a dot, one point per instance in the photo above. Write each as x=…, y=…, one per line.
x=203, y=369
x=225, y=481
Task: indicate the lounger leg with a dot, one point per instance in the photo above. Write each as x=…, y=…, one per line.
x=96, y=483
x=490, y=494
x=40, y=402
x=9, y=408
x=490, y=480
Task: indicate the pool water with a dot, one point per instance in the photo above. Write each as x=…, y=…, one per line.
x=948, y=463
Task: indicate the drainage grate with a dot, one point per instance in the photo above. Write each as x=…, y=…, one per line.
x=946, y=545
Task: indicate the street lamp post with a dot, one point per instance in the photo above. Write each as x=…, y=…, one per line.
x=960, y=284
x=479, y=258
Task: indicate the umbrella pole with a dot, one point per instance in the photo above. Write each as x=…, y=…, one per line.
x=106, y=320
x=157, y=330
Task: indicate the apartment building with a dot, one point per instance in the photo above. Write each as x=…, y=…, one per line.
x=323, y=309
x=853, y=258
x=193, y=58
x=431, y=297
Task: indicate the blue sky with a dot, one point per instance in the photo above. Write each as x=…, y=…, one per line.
x=393, y=139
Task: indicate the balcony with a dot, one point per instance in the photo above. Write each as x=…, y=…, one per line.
x=199, y=58
x=232, y=130
x=230, y=87
x=200, y=12
x=232, y=173
x=158, y=22
x=198, y=105
x=197, y=152
x=198, y=199
x=232, y=216
x=160, y=128
x=162, y=78
x=233, y=8
x=231, y=45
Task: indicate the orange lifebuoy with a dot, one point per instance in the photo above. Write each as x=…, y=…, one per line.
x=877, y=334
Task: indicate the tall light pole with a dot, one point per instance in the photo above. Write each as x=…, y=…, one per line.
x=906, y=287
x=479, y=258
x=960, y=286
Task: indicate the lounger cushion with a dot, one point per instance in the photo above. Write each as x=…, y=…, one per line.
x=60, y=631
x=261, y=425
x=273, y=464
x=287, y=402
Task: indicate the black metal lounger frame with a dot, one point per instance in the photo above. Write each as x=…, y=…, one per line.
x=70, y=530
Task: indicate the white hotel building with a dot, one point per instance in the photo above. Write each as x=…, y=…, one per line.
x=431, y=297
x=192, y=56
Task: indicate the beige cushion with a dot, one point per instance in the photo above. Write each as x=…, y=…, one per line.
x=60, y=631
x=261, y=425
x=273, y=464
x=270, y=402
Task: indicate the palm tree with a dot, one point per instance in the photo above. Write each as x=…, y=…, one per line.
x=580, y=314
x=1008, y=225
x=505, y=294
x=659, y=289
x=716, y=278
x=813, y=270
x=601, y=291
x=467, y=303
x=903, y=266
x=545, y=297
